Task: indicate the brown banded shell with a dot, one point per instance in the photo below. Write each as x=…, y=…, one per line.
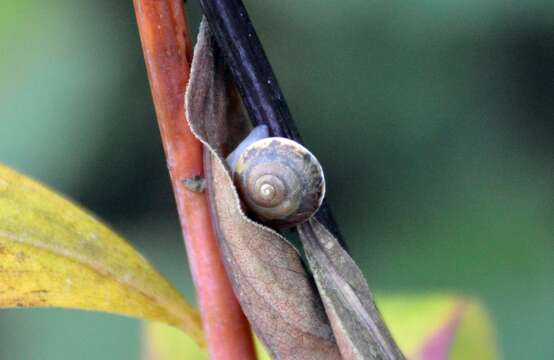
x=280, y=181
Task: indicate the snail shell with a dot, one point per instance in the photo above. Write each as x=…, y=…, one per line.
x=280, y=181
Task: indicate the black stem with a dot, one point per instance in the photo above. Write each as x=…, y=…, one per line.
x=254, y=77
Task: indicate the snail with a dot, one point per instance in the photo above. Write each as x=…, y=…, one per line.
x=278, y=179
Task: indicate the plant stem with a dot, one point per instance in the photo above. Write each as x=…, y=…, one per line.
x=167, y=51
x=254, y=77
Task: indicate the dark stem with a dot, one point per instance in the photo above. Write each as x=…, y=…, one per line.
x=254, y=78
x=245, y=57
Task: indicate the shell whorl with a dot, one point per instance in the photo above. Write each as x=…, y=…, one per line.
x=280, y=181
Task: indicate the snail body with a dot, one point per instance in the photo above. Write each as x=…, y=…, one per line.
x=278, y=179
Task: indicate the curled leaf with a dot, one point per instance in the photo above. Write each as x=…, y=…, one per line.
x=53, y=254
x=266, y=271
x=356, y=321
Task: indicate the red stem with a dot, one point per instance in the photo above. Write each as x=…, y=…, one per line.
x=167, y=52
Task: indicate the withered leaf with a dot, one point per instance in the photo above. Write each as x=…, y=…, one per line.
x=276, y=293
x=357, y=324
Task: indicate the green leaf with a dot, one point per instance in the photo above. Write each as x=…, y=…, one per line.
x=53, y=254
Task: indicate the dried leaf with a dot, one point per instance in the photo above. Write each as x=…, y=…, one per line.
x=357, y=324
x=267, y=274
x=53, y=254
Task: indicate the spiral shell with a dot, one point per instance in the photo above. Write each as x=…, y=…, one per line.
x=280, y=181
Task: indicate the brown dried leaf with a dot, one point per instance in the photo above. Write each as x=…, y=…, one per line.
x=276, y=293
x=357, y=324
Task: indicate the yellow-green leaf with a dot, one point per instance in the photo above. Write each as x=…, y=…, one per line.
x=53, y=254
x=412, y=319
x=162, y=342
x=416, y=320
x=475, y=338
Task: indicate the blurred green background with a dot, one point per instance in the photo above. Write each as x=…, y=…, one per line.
x=433, y=119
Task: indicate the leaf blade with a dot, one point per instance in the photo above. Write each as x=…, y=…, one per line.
x=266, y=272
x=162, y=342
x=357, y=324
x=416, y=320
x=54, y=254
